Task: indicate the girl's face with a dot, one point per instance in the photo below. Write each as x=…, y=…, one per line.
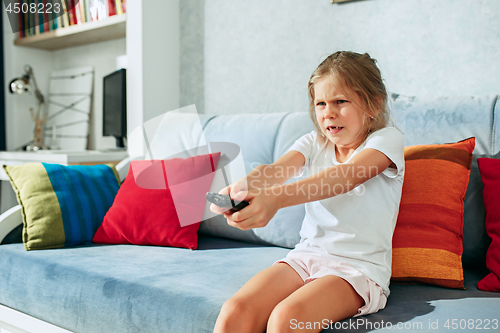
x=340, y=119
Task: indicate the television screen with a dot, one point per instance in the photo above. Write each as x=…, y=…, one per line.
x=115, y=106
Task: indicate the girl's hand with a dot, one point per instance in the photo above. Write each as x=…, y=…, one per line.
x=263, y=206
x=238, y=188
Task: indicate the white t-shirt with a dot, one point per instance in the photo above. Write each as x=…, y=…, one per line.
x=355, y=227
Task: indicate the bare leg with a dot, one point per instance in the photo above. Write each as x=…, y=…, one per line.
x=249, y=309
x=327, y=298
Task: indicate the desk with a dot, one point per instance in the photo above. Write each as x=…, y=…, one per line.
x=86, y=157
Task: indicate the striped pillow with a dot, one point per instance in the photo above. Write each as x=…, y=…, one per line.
x=62, y=205
x=427, y=242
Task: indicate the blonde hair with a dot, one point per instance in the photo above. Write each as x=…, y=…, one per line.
x=356, y=73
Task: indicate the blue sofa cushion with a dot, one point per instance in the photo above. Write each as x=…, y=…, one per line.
x=129, y=288
x=430, y=120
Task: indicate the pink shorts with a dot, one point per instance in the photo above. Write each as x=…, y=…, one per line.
x=313, y=266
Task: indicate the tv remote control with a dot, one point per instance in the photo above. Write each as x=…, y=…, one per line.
x=225, y=201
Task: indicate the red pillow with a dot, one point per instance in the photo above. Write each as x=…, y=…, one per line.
x=162, y=205
x=490, y=175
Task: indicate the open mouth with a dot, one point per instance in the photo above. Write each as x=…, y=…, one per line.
x=334, y=129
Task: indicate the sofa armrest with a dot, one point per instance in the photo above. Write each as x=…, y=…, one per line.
x=10, y=220
x=122, y=168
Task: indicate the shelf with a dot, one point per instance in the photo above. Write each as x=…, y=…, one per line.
x=75, y=35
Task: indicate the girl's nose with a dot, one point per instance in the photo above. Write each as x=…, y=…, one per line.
x=329, y=113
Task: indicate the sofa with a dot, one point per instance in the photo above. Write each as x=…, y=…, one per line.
x=132, y=288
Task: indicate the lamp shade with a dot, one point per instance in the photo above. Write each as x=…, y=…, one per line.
x=20, y=85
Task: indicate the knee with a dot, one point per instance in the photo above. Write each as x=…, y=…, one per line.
x=231, y=314
x=284, y=318
x=234, y=307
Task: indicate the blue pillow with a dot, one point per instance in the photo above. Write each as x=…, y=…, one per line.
x=62, y=205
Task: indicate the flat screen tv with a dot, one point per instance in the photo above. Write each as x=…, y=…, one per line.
x=114, y=109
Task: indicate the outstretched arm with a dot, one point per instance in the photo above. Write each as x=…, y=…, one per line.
x=336, y=180
x=287, y=166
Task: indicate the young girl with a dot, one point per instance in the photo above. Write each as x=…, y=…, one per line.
x=355, y=163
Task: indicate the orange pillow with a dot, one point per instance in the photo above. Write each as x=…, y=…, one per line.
x=427, y=242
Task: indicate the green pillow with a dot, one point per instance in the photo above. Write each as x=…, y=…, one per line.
x=62, y=205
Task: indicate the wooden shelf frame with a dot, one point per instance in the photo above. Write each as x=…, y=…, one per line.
x=91, y=32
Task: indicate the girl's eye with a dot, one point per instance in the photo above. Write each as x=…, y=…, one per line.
x=341, y=101
x=320, y=103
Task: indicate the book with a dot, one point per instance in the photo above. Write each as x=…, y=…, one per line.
x=72, y=11
x=20, y=22
x=93, y=9
x=46, y=25
x=118, y=6
x=81, y=4
x=57, y=11
x=124, y=5
x=48, y=16
x=65, y=16
x=111, y=7
x=59, y=22
x=98, y=10
x=36, y=17
x=32, y=22
x=105, y=9
x=26, y=21
x=69, y=11
x=53, y=15
x=76, y=9
x=88, y=16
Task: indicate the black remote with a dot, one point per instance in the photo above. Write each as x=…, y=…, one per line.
x=225, y=201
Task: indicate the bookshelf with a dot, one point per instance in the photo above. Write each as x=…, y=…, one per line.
x=110, y=28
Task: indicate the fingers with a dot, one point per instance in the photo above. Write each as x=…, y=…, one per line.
x=218, y=210
x=245, y=219
x=255, y=221
x=239, y=196
x=236, y=187
x=256, y=215
x=225, y=190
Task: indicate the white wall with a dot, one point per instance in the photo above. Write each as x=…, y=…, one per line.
x=192, y=25
x=153, y=44
x=258, y=55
